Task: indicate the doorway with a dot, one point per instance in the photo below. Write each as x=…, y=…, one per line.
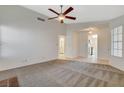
x=92, y=45
x=61, y=51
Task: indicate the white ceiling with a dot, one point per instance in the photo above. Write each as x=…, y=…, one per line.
x=83, y=13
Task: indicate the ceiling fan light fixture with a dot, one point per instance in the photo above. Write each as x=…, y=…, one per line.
x=61, y=17
x=90, y=32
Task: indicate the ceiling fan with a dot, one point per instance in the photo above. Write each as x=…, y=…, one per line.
x=61, y=16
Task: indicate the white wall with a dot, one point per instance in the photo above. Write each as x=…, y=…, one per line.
x=101, y=28
x=83, y=49
x=103, y=42
x=72, y=44
x=117, y=61
x=24, y=39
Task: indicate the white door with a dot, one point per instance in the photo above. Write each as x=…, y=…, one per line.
x=61, y=46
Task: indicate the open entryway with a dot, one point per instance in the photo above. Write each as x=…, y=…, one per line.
x=61, y=51
x=92, y=45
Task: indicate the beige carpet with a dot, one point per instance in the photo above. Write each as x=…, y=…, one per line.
x=60, y=73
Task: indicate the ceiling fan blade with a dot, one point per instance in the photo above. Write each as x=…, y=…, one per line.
x=68, y=10
x=53, y=11
x=62, y=21
x=52, y=18
x=41, y=19
x=70, y=17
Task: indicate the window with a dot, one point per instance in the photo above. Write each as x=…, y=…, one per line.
x=116, y=41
